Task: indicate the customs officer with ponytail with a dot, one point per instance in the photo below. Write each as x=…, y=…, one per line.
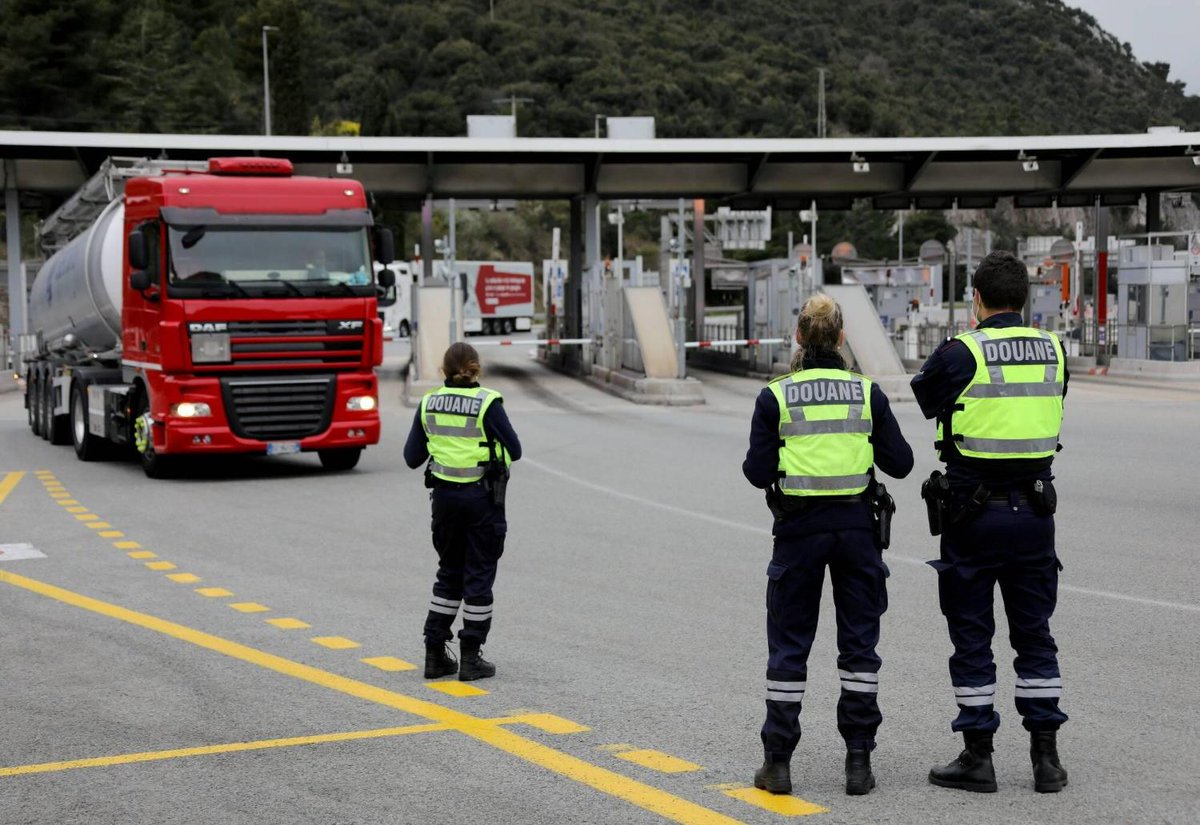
x=463, y=436
x=816, y=437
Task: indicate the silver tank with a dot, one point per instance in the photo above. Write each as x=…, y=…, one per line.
x=78, y=290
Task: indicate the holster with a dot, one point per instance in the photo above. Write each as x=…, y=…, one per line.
x=1043, y=498
x=495, y=476
x=883, y=506
x=429, y=480
x=935, y=491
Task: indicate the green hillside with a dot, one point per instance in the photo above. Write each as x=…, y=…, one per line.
x=702, y=67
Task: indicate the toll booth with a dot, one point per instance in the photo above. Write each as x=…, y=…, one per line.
x=898, y=290
x=1153, y=298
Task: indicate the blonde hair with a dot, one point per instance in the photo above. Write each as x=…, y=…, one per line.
x=820, y=328
x=461, y=365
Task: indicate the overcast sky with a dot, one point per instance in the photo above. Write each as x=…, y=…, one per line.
x=1160, y=31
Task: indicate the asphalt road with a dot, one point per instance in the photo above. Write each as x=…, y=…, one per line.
x=628, y=633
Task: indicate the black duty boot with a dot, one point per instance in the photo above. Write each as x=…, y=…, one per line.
x=474, y=666
x=1049, y=776
x=859, y=779
x=774, y=777
x=439, y=662
x=973, y=769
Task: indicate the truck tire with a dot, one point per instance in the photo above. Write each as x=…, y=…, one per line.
x=45, y=407
x=509, y=326
x=340, y=460
x=57, y=427
x=33, y=388
x=154, y=465
x=87, y=446
x=404, y=329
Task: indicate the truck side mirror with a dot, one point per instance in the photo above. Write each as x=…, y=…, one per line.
x=141, y=280
x=387, y=278
x=139, y=251
x=385, y=246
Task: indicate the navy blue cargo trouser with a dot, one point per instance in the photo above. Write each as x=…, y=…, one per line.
x=468, y=534
x=796, y=576
x=1011, y=545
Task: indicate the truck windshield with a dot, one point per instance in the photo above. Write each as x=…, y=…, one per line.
x=268, y=262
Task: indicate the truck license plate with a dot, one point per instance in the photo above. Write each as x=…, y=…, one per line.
x=282, y=447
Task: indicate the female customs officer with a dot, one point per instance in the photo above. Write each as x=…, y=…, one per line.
x=815, y=438
x=461, y=430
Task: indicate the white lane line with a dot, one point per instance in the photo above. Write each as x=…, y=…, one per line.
x=762, y=531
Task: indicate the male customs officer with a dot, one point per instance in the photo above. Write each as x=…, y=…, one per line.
x=997, y=394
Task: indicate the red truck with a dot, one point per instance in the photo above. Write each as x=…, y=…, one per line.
x=218, y=308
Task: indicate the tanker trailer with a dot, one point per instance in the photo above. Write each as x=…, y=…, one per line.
x=213, y=309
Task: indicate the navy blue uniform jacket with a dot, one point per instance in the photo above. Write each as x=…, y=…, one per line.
x=761, y=467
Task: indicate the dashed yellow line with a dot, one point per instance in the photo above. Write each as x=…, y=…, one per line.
x=776, y=803
x=85, y=516
x=99, y=525
x=67, y=502
x=159, y=565
x=637, y=793
x=111, y=534
x=213, y=592
x=388, y=663
x=142, y=554
x=183, y=578
x=77, y=509
x=126, y=545
x=250, y=607
x=657, y=761
x=335, y=642
x=287, y=623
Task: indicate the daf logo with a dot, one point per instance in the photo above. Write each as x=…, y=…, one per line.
x=350, y=325
x=208, y=327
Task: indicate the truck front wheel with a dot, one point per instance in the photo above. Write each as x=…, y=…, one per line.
x=339, y=460
x=154, y=465
x=87, y=446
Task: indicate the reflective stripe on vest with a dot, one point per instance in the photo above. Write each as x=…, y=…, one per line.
x=825, y=423
x=1012, y=408
x=453, y=421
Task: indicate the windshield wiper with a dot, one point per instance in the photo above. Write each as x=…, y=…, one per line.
x=328, y=288
x=286, y=284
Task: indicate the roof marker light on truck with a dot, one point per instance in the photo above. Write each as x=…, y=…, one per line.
x=250, y=166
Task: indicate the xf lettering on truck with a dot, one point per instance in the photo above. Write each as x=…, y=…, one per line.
x=208, y=327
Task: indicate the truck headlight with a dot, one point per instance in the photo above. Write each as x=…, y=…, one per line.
x=210, y=348
x=191, y=409
x=361, y=403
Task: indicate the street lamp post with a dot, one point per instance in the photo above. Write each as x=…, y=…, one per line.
x=266, y=81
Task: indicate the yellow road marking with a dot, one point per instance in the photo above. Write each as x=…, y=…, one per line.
x=601, y=779
x=250, y=607
x=183, y=578
x=126, y=545
x=288, y=623
x=67, y=502
x=388, y=663
x=87, y=517
x=658, y=761
x=776, y=803
x=547, y=722
x=213, y=592
x=9, y=483
x=335, y=642
x=99, y=525
x=233, y=747
x=77, y=509
x=44, y=473
x=142, y=554
x=111, y=534
x=55, y=488
x=160, y=565
x=60, y=494
x=459, y=689
x=533, y=719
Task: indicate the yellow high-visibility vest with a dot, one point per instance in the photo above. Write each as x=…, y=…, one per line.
x=453, y=421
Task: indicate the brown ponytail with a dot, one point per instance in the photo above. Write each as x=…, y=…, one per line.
x=460, y=364
x=820, y=328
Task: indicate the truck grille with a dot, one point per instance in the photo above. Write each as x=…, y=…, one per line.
x=273, y=409
x=275, y=344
